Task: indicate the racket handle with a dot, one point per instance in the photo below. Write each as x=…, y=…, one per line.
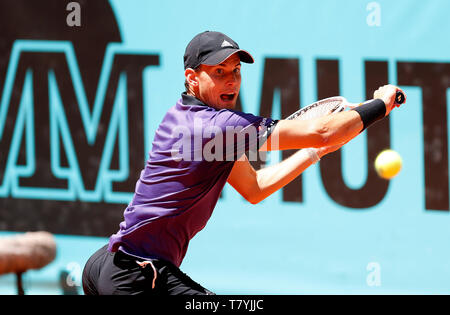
x=400, y=98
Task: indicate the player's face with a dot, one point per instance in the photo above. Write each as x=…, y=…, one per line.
x=219, y=85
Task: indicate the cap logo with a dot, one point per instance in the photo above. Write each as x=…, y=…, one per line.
x=226, y=44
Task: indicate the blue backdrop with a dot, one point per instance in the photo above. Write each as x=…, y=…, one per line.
x=316, y=245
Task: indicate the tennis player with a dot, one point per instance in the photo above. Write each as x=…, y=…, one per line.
x=200, y=145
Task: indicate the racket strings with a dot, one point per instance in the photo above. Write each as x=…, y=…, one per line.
x=318, y=109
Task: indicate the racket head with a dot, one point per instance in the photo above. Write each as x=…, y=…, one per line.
x=320, y=108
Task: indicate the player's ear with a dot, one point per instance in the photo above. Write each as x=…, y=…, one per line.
x=191, y=77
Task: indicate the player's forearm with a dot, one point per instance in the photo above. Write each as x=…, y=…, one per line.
x=340, y=128
x=274, y=177
x=324, y=131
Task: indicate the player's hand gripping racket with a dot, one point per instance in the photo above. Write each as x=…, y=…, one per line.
x=332, y=105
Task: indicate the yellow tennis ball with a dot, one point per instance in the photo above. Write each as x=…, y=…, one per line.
x=388, y=163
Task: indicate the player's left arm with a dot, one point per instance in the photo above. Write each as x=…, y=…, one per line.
x=255, y=186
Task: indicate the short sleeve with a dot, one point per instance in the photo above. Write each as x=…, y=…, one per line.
x=240, y=132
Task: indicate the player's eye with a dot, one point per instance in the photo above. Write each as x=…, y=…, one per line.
x=237, y=70
x=219, y=71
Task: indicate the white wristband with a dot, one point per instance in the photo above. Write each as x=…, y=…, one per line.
x=314, y=157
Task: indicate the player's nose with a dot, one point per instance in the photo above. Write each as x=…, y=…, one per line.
x=232, y=79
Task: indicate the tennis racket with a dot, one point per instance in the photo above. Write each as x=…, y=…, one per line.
x=332, y=105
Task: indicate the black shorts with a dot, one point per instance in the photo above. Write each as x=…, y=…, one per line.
x=107, y=273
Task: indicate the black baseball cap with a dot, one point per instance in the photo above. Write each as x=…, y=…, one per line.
x=211, y=48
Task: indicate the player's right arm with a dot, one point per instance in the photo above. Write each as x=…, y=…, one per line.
x=328, y=130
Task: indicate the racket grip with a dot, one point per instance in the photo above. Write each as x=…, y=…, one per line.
x=400, y=98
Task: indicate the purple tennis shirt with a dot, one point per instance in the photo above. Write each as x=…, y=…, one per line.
x=192, y=155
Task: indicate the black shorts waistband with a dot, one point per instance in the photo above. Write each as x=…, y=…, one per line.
x=129, y=261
